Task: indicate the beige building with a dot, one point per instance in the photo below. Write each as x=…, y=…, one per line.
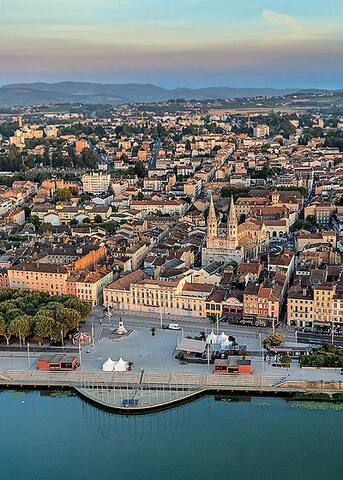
x=305, y=239
x=96, y=182
x=192, y=187
x=89, y=286
x=63, y=214
x=170, y=207
x=137, y=254
x=39, y=276
x=261, y=302
x=322, y=305
x=180, y=297
x=58, y=280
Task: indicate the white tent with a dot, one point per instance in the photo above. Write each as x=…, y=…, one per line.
x=108, y=366
x=120, y=366
x=211, y=338
x=226, y=345
x=222, y=337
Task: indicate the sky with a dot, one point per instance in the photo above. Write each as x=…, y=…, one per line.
x=194, y=43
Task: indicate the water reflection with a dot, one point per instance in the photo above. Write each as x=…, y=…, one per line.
x=139, y=426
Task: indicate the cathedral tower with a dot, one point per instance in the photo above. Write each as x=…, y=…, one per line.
x=232, y=223
x=212, y=223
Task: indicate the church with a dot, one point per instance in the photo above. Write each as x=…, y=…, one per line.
x=240, y=242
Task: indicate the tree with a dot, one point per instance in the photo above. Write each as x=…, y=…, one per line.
x=44, y=327
x=21, y=327
x=303, y=225
x=34, y=219
x=98, y=219
x=68, y=317
x=63, y=195
x=86, y=220
x=153, y=331
x=84, y=308
x=88, y=159
x=111, y=227
x=58, y=159
x=4, y=330
x=286, y=360
x=130, y=365
x=139, y=170
x=274, y=340
x=46, y=228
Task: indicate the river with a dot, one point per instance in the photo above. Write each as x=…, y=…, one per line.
x=61, y=438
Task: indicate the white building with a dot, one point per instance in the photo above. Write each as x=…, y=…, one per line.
x=261, y=131
x=96, y=182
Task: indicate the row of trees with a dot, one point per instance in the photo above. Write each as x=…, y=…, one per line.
x=326, y=355
x=39, y=316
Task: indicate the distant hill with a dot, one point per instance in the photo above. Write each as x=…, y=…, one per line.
x=86, y=92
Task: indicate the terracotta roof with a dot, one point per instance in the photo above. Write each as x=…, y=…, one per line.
x=252, y=267
x=124, y=282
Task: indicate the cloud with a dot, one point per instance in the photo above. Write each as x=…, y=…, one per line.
x=283, y=20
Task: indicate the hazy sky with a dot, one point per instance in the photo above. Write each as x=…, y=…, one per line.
x=174, y=42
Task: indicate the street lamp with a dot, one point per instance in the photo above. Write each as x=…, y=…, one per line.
x=28, y=354
x=92, y=334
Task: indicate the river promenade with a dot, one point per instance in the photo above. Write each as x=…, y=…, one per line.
x=131, y=391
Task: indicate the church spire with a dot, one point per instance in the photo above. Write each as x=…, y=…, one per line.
x=212, y=229
x=232, y=222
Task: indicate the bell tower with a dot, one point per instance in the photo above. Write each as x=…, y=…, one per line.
x=232, y=223
x=212, y=224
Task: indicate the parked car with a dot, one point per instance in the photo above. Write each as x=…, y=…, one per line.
x=174, y=326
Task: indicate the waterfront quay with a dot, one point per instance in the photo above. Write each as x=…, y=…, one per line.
x=134, y=392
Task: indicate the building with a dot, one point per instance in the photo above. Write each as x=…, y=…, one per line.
x=64, y=214
x=245, y=241
x=261, y=303
x=81, y=145
x=261, y=131
x=89, y=285
x=96, y=182
x=320, y=305
x=39, y=276
x=169, y=207
x=135, y=292
x=57, y=362
x=305, y=239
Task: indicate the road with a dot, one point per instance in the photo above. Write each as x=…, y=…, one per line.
x=318, y=339
x=154, y=154
x=194, y=326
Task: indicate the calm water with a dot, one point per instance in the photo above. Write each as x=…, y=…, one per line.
x=65, y=438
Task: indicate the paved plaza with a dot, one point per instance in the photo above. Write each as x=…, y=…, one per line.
x=157, y=353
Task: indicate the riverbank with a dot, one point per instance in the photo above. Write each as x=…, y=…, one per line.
x=143, y=392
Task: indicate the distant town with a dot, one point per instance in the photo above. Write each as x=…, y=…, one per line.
x=192, y=215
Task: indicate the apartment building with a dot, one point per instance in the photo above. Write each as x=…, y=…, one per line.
x=39, y=276
x=96, y=182
x=89, y=285
x=321, y=305
x=261, y=131
x=261, y=302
